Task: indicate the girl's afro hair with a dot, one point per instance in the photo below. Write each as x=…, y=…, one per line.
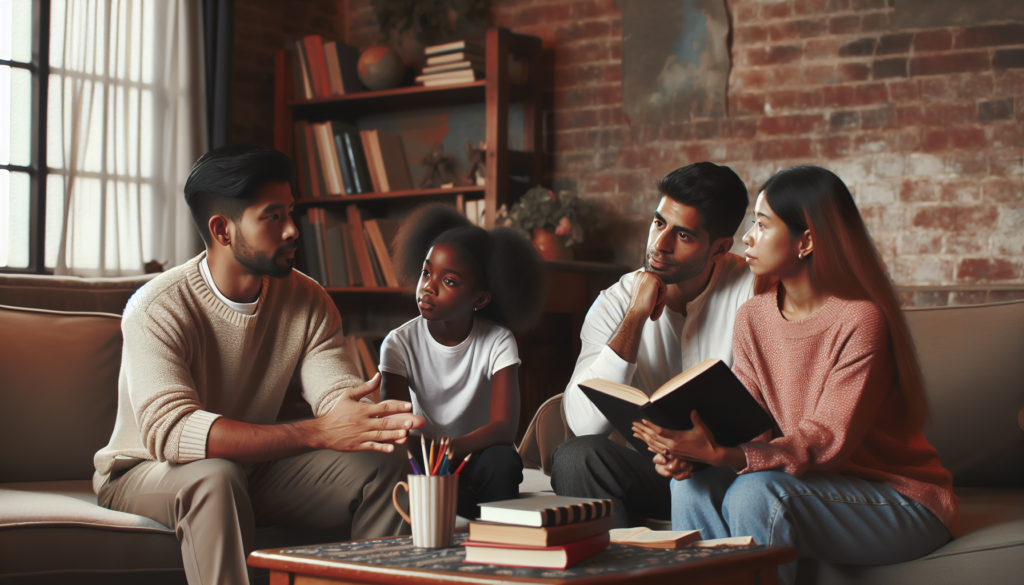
x=506, y=264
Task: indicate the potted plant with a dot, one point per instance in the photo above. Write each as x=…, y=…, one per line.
x=553, y=222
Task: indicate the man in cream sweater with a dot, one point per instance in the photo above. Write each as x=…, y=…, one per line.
x=209, y=349
x=652, y=325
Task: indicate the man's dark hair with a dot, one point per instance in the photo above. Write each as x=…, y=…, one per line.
x=224, y=181
x=715, y=191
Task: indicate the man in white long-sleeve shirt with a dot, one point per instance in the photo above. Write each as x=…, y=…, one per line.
x=654, y=323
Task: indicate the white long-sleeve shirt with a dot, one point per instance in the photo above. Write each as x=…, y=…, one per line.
x=668, y=346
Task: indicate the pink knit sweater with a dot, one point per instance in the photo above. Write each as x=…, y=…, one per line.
x=830, y=383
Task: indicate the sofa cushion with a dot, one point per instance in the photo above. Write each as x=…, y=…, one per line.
x=70, y=293
x=990, y=550
x=59, y=392
x=37, y=519
x=972, y=358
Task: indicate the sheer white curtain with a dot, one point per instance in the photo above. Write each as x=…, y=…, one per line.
x=126, y=121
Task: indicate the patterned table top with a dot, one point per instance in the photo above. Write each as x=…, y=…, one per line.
x=398, y=553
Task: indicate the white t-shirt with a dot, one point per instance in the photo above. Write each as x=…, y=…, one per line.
x=243, y=308
x=668, y=346
x=450, y=386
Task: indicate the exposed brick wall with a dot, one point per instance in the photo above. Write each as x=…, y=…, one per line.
x=261, y=28
x=925, y=126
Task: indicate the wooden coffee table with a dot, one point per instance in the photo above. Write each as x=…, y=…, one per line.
x=395, y=560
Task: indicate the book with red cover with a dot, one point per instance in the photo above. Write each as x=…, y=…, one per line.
x=317, y=66
x=551, y=557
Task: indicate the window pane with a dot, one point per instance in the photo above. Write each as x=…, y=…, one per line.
x=15, y=116
x=54, y=216
x=16, y=30
x=14, y=219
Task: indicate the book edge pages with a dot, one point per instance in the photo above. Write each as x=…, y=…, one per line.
x=615, y=390
x=681, y=379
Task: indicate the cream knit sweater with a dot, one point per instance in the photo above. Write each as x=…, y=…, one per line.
x=189, y=359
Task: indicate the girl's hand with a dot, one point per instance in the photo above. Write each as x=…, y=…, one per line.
x=671, y=467
x=697, y=444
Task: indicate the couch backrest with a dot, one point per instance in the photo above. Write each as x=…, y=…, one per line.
x=58, y=391
x=70, y=293
x=972, y=357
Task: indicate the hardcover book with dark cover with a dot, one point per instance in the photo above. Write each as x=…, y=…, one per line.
x=710, y=388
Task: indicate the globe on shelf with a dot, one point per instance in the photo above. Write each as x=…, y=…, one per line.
x=380, y=68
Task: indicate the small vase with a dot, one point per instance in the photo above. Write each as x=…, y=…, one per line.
x=550, y=246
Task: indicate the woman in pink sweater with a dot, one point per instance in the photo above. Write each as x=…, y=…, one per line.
x=846, y=476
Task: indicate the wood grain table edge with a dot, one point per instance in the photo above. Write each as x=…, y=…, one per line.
x=716, y=569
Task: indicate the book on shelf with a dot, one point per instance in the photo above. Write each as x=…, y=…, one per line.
x=540, y=511
x=336, y=243
x=302, y=75
x=455, y=66
x=317, y=187
x=722, y=401
x=456, y=57
x=336, y=158
x=375, y=233
x=317, y=67
x=540, y=536
x=450, y=77
x=475, y=210
x=310, y=248
x=645, y=537
x=552, y=557
x=342, y=68
x=369, y=364
x=359, y=247
x=385, y=156
x=466, y=45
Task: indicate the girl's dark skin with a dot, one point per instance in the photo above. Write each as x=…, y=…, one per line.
x=447, y=295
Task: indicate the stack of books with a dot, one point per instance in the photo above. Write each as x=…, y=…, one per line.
x=453, y=63
x=545, y=532
x=325, y=68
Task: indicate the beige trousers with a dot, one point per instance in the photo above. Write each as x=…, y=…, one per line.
x=214, y=505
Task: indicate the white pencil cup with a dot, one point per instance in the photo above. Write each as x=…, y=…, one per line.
x=432, y=501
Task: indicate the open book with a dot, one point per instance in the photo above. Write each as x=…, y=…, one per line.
x=643, y=536
x=710, y=388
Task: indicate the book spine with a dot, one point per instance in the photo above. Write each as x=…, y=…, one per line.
x=577, y=513
x=360, y=183
x=307, y=82
x=302, y=159
x=316, y=182
x=355, y=223
x=333, y=71
x=364, y=139
x=347, y=176
x=312, y=264
x=318, y=229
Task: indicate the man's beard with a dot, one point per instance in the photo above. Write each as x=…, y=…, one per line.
x=261, y=265
x=679, y=272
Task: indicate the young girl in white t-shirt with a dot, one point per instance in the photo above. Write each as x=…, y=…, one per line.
x=458, y=361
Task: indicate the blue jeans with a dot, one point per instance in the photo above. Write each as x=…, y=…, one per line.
x=834, y=518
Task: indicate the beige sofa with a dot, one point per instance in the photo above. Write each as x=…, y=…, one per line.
x=973, y=363
x=58, y=398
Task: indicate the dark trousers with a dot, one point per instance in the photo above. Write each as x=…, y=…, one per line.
x=594, y=467
x=491, y=475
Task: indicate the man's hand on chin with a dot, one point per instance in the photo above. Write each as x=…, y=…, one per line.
x=649, y=293
x=351, y=425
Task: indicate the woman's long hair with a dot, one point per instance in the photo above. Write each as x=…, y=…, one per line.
x=845, y=262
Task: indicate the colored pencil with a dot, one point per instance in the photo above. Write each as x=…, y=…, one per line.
x=412, y=462
x=423, y=447
x=444, y=462
x=436, y=469
x=463, y=464
x=430, y=464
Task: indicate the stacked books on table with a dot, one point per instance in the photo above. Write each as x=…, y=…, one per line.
x=547, y=532
x=453, y=63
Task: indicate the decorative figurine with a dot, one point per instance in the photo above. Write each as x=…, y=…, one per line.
x=477, y=173
x=440, y=165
